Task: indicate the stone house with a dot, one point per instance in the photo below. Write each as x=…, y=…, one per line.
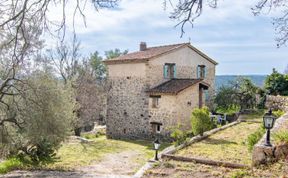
x=156, y=88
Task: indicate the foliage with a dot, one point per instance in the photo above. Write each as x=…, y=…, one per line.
x=45, y=115
x=280, y=136
x=98, y=67
x=200, y=121
x=179, y=135
x=240, y=93
x=277, y=83
x=253, y=138
x=229, y=110
x=10, y=165
x=278, y=113
x=114, y=53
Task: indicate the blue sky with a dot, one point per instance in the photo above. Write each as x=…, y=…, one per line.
x=230, y=34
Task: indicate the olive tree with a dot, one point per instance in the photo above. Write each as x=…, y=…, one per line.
x=44, y=114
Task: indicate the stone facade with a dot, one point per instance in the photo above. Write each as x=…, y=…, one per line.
x=277, y=102
x=130, y=111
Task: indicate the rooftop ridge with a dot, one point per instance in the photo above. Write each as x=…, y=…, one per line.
x=161, y=46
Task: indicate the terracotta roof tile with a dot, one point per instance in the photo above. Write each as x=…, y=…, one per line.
x=148, y=53
x=174, y=86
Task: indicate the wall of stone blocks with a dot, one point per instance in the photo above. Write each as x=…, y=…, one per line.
x=127, y=110
x=277, y=102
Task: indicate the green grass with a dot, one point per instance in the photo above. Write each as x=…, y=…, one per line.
x=10, y=165
x=72, y=155
x=255, y=116
x=280, y=137
x=227, y=145
x=187, y=169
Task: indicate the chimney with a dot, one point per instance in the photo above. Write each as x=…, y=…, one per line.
x=143, y=46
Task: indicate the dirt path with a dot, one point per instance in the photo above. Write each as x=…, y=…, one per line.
x=116, y=165
x=122, y=163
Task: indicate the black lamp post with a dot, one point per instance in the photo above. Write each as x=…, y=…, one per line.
x=268, y=120
x=156, y=147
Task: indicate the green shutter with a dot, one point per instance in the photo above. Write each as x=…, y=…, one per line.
x=165, y=70
x=174, y=71
x=205, y=72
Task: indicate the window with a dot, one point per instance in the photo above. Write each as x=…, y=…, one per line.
x=169, y=70
x=201, y=71
x=155, y=101
x=156, y=127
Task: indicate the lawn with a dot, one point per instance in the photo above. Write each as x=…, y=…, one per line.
x=228, y=145
x=72, y=155
x=75, y=155
x=175, y=169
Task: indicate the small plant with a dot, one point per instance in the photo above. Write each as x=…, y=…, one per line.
x=201, y=121
x=281, y=137
x=239, y=174
x=179, y=136
x=168, y=165
x=278, y=113
x=255, y=137
x=9, y=165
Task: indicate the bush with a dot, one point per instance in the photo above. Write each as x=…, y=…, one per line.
x=281, y=137
x=255, y=137
x=179, y=136
x=200, y=121
x=278, y=113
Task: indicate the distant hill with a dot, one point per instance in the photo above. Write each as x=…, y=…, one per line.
x=258, y=80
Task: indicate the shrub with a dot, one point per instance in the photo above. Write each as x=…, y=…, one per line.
x=278, y=113
x=200, y=121
x=281, y=137
x=179, y=136
x=255, y=137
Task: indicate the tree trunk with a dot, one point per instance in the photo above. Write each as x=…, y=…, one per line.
x=77, y=131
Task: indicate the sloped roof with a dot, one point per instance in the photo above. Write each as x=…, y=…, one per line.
x=174, y=86
x=151, y=52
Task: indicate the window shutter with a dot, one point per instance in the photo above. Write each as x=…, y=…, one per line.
x=165, y=71
x=205, y=72
x=198, y=71
x=174, y=71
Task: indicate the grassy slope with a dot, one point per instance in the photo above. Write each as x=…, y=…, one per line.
x=228, y=145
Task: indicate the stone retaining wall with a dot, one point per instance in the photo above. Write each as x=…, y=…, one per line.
x=277, y=102
x=263, y=154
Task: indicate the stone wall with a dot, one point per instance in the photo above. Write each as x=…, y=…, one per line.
x=263, y=154
x=127, y=111
x=277, y=102
x=186, y=61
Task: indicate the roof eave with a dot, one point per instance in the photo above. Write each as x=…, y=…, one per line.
x=203, y=55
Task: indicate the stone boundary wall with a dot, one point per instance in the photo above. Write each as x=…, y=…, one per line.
x=277, y=102
x=262, y=154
